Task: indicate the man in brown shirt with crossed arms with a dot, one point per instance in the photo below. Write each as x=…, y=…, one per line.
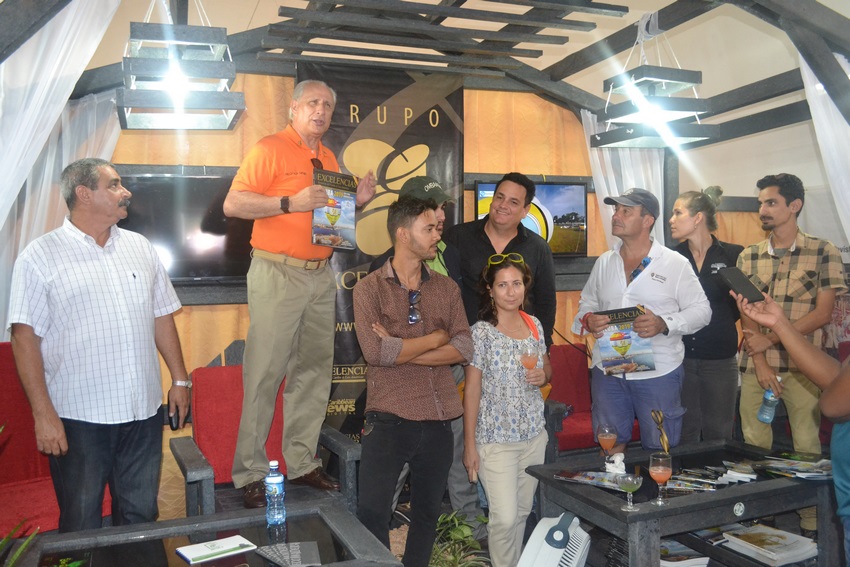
x=412, y=327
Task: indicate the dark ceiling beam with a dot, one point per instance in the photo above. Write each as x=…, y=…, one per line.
x=179, y=12
x=556, y=92
x=394, y=6
x=288, y=57
x=827, y=23
x=821, y=60
x=388, y=25
x=286, y=29
x=20, y=20
x=460, y=60
x=596, y=8
x=98, y=80
x=669, y=17
x=787, y=115
x=759, y=91
x=754, y=9
x=249, y=41
x=563, y=93
x=248, y=63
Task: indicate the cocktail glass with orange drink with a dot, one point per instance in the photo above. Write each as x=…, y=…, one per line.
x=660, y=469
x=606, y=436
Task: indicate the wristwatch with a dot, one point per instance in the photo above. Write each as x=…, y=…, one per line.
x=284, y=205
x=182, y=383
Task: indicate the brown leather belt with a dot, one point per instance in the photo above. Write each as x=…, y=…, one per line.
x=289, y=260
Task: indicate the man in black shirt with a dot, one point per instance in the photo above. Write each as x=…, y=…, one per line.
x=501, y=232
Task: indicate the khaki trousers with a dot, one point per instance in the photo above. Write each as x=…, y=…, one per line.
x=510, y=493
x=291, y=334
x=800, y=396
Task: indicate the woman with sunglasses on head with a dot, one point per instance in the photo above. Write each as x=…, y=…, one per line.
x=504, y=428
x=710, y=385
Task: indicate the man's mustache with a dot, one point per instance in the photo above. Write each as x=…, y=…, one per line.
x=124, y=203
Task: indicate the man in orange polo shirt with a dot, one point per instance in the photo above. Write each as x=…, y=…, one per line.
x=291, y=294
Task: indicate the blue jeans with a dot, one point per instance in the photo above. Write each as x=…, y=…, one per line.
x=617, y=401
x=127, y=456
x=388, y=442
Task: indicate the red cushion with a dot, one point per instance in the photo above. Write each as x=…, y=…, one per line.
x=34, y=501
x=26, y=490
x=19, y=458
x=570, y=376
x=578, y=432
x=216, y=410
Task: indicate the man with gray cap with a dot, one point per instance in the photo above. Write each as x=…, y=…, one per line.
x=641, y=271
x=462, y=494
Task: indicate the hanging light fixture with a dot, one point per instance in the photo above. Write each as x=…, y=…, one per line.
x=178, y=77
x=646, y=119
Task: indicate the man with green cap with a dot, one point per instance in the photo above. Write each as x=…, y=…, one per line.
x=462, y=494
x=447, y=261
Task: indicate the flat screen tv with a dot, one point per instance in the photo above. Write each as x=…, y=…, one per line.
x=183, y=218
x=558, y=213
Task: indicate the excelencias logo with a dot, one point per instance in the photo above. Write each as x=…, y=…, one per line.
x=658, y=277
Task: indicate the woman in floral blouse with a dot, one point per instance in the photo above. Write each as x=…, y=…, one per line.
x=502, y=408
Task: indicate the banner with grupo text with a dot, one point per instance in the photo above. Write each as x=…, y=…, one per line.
x=399, y=124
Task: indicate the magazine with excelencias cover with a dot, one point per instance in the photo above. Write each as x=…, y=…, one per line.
x=620, y=347
x=594, y=478
x=333, y=224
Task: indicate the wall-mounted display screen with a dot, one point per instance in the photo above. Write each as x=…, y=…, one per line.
x=558, y=213
x=182, y=216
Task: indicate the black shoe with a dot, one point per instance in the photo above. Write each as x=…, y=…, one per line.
x=254, y=494
x=402, y=513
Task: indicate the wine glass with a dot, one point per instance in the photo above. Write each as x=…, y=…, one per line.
x=660, y=469
x=606, y=435
x=528, y=355
x=629, y=483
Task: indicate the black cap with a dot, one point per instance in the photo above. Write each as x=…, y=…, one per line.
x=637, y=198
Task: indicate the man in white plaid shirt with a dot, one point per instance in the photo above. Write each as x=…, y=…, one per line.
x=90, y=306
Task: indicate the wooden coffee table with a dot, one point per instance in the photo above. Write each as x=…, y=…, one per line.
x=644, y=529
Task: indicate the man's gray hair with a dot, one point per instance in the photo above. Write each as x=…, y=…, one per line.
x=299, y=90
x=85, y=172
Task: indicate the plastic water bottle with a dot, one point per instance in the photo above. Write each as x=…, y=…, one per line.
x=275, y=507
x=767, y=411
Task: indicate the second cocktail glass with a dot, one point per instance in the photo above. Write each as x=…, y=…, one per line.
x=660, y=469
x=629, y=483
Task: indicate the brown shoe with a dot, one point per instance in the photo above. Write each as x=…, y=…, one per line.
x=254, y=494
x=317, y=478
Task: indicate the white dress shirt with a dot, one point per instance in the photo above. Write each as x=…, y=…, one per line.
x=94, y=309
x=667, y=286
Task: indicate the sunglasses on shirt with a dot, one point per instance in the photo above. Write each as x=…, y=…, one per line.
x=413, y=314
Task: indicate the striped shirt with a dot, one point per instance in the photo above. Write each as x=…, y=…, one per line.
x=793, y=279
x=94, y=309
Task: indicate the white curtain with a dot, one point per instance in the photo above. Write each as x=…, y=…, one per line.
x=36, y=82
x=88, y=127
x=833, y=136
x=616, y=170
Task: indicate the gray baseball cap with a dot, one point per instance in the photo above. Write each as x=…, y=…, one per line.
x=637, y=198
x=423, y=187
